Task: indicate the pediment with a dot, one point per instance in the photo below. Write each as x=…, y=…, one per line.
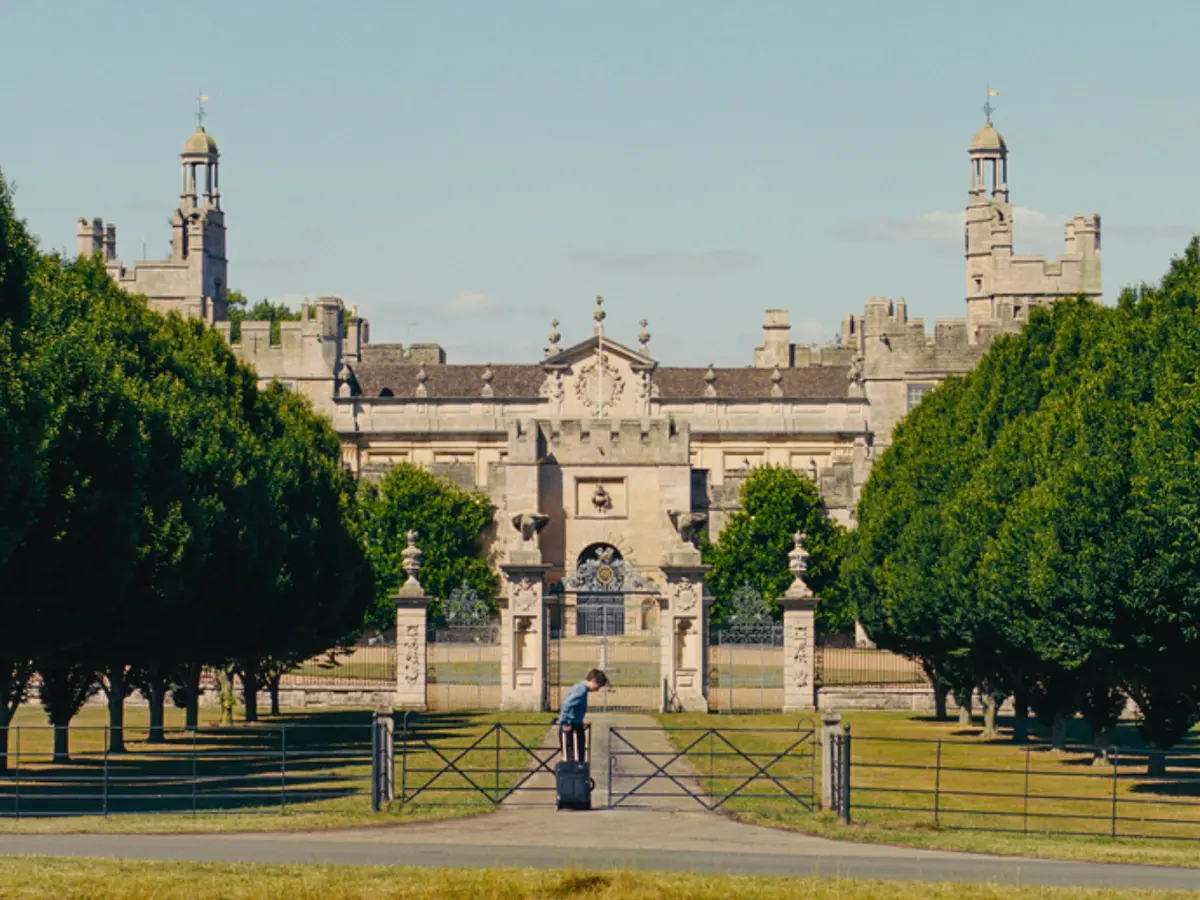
x=587, y=349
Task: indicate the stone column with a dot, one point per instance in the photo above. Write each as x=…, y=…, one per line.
x=799, y=635
x=685, y=631
x=412, y=614
x=523, y=622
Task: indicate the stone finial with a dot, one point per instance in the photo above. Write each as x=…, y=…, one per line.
x=710, y=380
x=644, y=337
x=798, y=566
x=487, y=377
x=422, y=377
x=776, y=382
x=412, y=562
x=553, y=337
x=599, y=315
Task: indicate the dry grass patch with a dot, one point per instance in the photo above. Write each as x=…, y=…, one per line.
x=86, y=879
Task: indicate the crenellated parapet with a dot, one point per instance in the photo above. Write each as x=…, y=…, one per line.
x=618, y=442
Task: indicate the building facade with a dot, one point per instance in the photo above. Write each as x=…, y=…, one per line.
x=597, y=457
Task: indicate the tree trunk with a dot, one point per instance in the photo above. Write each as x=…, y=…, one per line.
x=116, y=709
x=227, y=696
x=273, y=688
x=62, y=734
x=6, y=714
x=940, y=691
x=963, y=699
x=250, y=693
x=989, y=716
x=1101, y=739
x=156, y=699
x=1058, y=732
x=192, y=709
x=1156, y=763
x=1020, y=733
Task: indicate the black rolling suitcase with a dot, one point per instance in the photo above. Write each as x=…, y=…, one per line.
x=573, y=778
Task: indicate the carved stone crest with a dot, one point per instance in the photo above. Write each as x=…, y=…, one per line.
x=586, y=385
x=525, y=593
x=686, y=595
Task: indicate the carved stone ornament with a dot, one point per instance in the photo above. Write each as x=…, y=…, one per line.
x=528, y=525
x=602, y=500
x=412, y=650
x=586, y=384
x=686, y=596
x=525, y=593
x=800, y=661
x=686, y=523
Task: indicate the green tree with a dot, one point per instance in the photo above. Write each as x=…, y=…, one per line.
x=23, y=423
x=752, y=549
x=239, y=310
x=451, y=524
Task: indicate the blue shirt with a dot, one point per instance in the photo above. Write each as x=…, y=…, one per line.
x=574, y=705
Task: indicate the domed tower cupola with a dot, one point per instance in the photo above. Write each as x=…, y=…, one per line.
x=989, y=158
x=201, y=166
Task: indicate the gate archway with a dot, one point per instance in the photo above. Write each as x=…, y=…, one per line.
x=604, y=614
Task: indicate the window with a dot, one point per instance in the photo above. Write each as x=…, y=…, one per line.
x=916, y=392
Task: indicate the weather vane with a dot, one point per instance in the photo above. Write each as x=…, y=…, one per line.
x=988, y=109
x=200, y=109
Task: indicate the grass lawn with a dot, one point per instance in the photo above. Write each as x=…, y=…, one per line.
x=86, y=879
x=237, y=779
x=894, y=784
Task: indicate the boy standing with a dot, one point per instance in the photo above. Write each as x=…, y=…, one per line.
x=574, y=709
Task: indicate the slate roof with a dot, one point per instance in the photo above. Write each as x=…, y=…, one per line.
x=523, y=382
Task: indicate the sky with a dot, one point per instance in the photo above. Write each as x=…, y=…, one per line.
x=465, y=170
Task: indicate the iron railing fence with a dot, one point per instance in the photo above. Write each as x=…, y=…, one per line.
x=745, y=668
x=838, y=665
x=511, y=761
x=278, y=768
x=1079, y=791
x=363, y=665
x=761, y=769
x=463, y=667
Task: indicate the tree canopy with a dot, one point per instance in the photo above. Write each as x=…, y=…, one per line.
x=1033, y=525
x=752, y=549
x=158, y=511
x=452, y=525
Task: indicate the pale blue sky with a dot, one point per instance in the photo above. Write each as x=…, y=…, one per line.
x=464, y=171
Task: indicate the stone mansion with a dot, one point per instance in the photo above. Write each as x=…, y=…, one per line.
x=597, y=450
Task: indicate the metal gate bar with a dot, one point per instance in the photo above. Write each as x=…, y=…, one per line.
x=799, y=747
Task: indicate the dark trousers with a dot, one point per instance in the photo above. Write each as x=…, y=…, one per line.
x=573, y=740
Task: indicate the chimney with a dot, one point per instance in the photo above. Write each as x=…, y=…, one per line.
x=110, y=243
x=89, y=237
x=776, y=349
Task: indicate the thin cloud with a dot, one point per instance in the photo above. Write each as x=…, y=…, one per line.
x=469, y=302
x=946, y=228
x=668, y=262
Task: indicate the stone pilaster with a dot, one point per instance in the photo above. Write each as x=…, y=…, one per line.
x=412, y=616
x=685, y=631
x=799, y=636
x=523, y=625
